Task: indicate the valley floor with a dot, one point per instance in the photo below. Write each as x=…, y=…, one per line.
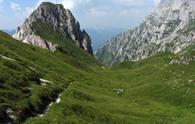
x=152, y=91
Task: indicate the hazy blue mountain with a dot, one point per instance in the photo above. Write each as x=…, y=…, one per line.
x=100, y=36
x=10, y=32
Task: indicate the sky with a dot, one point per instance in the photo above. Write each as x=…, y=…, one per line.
x=102, y=19
x=93, y=14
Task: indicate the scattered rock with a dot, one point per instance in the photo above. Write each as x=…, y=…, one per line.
x=44, y=82
x=119, y=91
x=7, y=58
x=103, y=67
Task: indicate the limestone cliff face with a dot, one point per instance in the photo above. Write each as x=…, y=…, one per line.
x=170, y=27
x=61, y=20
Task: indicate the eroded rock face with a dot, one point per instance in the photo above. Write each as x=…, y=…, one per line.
x=61, y=20
x=170, y=27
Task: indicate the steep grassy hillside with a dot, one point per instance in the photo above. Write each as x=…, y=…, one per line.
x=30, y=77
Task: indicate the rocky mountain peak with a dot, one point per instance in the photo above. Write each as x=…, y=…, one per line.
x=170, y=27
x=60, y=19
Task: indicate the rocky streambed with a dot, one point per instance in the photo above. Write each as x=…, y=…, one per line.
x=45, y=111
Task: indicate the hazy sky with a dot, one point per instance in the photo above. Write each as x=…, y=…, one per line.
x=94, y=14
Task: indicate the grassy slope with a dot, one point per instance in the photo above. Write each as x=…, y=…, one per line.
x=155, y=92
x=20, y=87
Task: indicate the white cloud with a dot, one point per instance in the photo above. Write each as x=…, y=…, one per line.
x=156, y=2
x=19, y=12
x=68, y=4
x=131, y=2
x=136, y=2
x=95, y=12
x=15, y=7
x=29, y=10
x=23, y=12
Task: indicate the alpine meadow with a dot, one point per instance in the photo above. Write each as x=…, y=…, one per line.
x=50, y=74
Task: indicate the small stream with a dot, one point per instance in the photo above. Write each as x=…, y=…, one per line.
x=56, y=101
x=45, y=111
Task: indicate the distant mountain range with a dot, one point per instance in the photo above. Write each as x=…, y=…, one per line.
x=101, y=36
x=10, y=32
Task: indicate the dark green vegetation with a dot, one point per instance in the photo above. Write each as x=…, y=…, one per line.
x=21, y=68
x=157, y=90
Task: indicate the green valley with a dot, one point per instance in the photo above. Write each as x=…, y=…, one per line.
x=50, y=74
x=157, y=90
